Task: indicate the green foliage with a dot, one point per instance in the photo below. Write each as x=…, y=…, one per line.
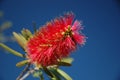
x=11, y=50
x=22, y=63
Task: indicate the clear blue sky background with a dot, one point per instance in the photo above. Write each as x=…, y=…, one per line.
x=99, y=59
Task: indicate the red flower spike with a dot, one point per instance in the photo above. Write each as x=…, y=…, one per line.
x=55, y=40
x=79, y=38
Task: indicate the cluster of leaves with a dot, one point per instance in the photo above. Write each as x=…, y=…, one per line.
x=54, y=72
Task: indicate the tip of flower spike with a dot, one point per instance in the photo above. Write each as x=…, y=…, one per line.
x=70, y=14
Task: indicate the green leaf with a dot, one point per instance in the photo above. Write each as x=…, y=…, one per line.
x=64, y=75
x=50, y=73
x=11, y=50
x=22, y=63
x=47, y=71
x=55, y=74
x=65, y=61
x=64, y=64
x=26, y=33
x=5, y=25
x=54, y=79
x=20, y=39
x=38, y=74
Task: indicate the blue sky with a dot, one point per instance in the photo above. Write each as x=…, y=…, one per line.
x=99, y=59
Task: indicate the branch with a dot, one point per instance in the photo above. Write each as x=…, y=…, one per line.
x=23, y=72
x=27, y=74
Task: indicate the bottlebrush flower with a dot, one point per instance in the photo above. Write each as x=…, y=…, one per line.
x=55, y=40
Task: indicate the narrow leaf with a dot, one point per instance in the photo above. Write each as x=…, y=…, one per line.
x=55, y=74
x=66, y=60
x=20, y=39
x=38, y=74
x=48, y=72
x=11, y=50
x=26, y=33
x=5, y=25
x=54, y=79
x=64, y=75
x=64, y=64
x=22, y=63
